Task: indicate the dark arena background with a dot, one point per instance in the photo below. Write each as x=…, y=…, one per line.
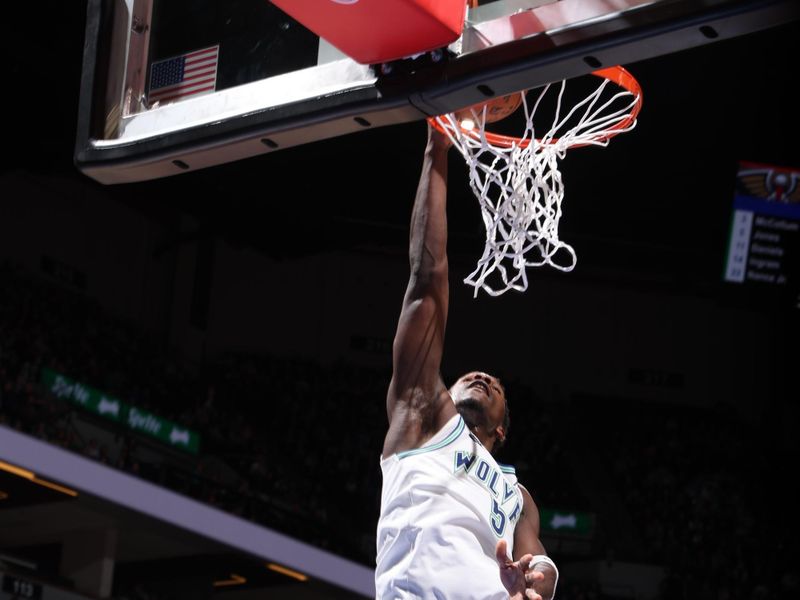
x=193, y=370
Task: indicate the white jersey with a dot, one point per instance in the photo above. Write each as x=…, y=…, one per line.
x=444, y=507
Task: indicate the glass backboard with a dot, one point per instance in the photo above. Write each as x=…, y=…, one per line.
x=179, y=85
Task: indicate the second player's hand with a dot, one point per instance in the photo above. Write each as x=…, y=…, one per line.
x=517, y=577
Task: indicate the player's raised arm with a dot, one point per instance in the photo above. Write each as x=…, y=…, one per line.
x=417, y=396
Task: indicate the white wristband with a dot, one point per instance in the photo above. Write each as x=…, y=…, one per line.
x=541, y=558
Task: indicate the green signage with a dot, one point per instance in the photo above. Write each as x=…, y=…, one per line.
x=113, y=409
x=566, y=522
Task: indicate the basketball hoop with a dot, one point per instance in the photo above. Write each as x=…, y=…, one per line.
x=517, y=180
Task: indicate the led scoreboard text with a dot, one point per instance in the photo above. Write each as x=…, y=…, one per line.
x=765, y=229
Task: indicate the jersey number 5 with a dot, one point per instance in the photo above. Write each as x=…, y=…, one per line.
x=498, y=519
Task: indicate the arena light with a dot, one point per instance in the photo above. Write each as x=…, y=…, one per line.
x=234, y=580
x=55, y=486
x=287, y=571
x=3, y=495
x=31, y=476
x=8, y=468
x=20, y=562
x=467, y=124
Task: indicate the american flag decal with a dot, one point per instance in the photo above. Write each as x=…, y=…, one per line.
x=191, y=74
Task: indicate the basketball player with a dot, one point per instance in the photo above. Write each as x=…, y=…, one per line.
x=454, y=523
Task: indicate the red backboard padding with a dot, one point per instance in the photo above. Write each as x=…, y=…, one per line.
x=377, y=31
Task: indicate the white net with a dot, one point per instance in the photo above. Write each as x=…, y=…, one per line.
x=518, y=183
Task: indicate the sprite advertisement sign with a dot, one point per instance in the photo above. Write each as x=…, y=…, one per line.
x=136, y=419
x=567, y=522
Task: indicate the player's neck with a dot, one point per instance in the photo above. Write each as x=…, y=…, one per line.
x=486, y=440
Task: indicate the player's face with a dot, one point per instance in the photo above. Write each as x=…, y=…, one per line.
x=480, y=399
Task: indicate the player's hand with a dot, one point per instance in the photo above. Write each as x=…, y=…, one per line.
x=517, y=577
x=438, y=139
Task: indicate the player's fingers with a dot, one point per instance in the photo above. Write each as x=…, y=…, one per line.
x=531, y=595
x=534, y=576
x=501, y=553
x=525, y=562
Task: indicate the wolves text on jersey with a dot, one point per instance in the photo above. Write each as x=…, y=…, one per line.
x=496, y=484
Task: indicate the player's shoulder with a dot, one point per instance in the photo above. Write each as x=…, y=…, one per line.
x=511, y=473
x=413, y=432
x=526, y=495
x=507, y=469
x=530, y=510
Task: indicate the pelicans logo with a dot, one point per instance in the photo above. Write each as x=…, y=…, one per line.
x=769, y=183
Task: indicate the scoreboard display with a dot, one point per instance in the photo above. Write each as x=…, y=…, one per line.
x=765, y=230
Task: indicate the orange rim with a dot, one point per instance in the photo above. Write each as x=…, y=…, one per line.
x=617, y=75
